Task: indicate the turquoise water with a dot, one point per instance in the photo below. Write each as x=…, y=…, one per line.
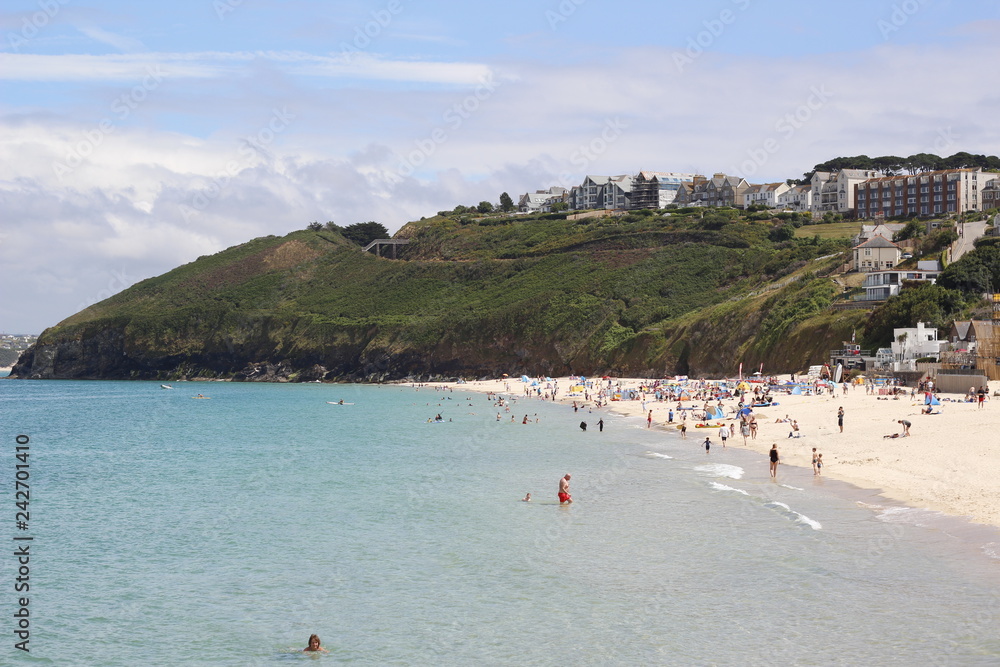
x=172, y=531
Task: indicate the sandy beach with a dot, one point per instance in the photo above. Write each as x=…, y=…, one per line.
x=950, y=462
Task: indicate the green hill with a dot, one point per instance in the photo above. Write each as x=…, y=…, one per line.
x=646, y=294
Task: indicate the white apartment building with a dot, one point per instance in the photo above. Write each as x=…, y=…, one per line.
x=767, y=194
x=835, y=191
x=908, y=345
x=540, y=201
x=796, y=198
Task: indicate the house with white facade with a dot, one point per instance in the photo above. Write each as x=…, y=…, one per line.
x=835, y=191
x=876, y=254
x=880, y=285
x=766, y=194
x=886, y=229
x=540, y=201
x=911, y=344
x=797, y=198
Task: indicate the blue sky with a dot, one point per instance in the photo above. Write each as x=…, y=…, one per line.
x=137, y=136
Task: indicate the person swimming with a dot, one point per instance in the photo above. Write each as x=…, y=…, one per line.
x=314, y=645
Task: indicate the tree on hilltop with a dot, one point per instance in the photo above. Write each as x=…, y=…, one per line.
x=485, y=207
x=364, y=233
x=506, y=203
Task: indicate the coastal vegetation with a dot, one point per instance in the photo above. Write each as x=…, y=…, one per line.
x=649, y=293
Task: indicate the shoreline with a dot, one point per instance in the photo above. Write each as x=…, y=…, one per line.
x=950, y=463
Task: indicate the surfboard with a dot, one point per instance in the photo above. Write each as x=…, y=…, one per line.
x=838, y=373
x=338, y=403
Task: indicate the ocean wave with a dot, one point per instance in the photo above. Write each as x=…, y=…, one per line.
x=992, y=550
x=794, y=516
x=721, y=470
x=909, y=515
x=657, y=455
x=723, y=487
x=793, y=488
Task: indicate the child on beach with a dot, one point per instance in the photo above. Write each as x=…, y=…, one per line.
x=819, y=464
x=815, y=458
x=708, y=444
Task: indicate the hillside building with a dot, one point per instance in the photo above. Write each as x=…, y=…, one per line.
x=880, y=285
x=920, y=195
x=540, y=201
x=876, y=254
x=656, y=189
x=797, y=198
x=720, y=190
x=835, y=191
x=767, y=194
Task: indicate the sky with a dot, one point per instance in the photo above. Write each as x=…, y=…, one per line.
x=136, y=137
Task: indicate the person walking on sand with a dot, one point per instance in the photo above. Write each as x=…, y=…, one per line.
x=840, y=418
x=724, y=434
x=775, y=460
x=906, y=426
x=564, y=497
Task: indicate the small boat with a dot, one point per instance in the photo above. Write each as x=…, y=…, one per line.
x=165, y=386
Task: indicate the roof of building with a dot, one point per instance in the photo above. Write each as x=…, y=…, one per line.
x=962, y=328
x=878, y=241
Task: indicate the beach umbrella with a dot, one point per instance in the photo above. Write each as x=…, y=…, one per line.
x=745, y=412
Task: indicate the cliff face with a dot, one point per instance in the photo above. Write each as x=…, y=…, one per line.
x=310, y=306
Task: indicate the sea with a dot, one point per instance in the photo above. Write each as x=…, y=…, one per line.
x=168, y=529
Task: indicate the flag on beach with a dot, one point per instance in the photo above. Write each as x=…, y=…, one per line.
x=741, y=370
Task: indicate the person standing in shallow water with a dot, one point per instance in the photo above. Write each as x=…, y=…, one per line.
x=708, y=444
x=564, y=497
x=774, y=460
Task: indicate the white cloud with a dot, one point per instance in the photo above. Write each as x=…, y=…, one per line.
x=149, y=197
x=213, y=64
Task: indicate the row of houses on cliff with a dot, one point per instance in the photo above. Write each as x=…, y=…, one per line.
x=850, y=192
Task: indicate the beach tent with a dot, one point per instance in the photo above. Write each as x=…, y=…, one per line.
x=525, y=378
x=745, y=412
x=931, y=399
x=714, y=413
x=797, y=391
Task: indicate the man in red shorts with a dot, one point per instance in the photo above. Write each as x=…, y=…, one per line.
x=564, y=496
